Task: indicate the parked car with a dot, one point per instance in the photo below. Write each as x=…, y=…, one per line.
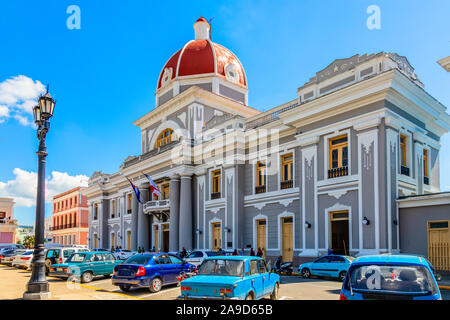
x=7, y=256
x=333, y=266
x=149, y=270
x=232, y=277
x=122, y=254
x=100, y=249
x=23, y=260
x=196, y=257
x=85, y=266
x=59, y=255
x=8, y=246
x=390, y=277
x=437, y=276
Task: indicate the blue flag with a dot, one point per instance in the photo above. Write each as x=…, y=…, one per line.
x=136, y=191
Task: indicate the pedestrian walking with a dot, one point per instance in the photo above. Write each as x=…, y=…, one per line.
x=252, y=252
x=242, y=251
x=183, y=253
x=259, y=253
x=235, y=253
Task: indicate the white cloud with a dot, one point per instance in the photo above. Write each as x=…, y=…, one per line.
x=18, y=95
x=24, y=187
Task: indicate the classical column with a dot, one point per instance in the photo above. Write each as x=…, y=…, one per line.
x=89, y=226
x=174, y=198
x=134, y=221
x=186, y=213
x=143, y=219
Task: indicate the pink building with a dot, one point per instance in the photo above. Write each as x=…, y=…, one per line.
x=7, y=223
x=70, y=218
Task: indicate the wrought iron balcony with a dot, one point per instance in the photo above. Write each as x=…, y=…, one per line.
x=287, y=184
x=215, y=195
x=426, y=180
x=157, y=205
x=8, y=221
x=338, y=172
x=404, y=170
x=68, y=226
x=260, y=189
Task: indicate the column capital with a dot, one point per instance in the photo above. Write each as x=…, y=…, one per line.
x=175, y=176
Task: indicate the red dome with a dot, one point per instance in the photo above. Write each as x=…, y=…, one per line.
x=204, y=57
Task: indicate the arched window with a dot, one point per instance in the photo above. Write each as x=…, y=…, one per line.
x=165, y=137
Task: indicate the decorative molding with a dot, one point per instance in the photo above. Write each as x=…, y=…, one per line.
x=337, y=194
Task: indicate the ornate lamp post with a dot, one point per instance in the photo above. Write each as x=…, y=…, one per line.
x=37, y=287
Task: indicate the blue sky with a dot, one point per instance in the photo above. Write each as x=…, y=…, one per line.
x=104, y=75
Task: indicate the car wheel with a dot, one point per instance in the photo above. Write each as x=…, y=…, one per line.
x=124, y=288
x=274, y=295
x=306, y=273
x=249, y=296
x=155, y=285
x=342, y=275
x=87, y=277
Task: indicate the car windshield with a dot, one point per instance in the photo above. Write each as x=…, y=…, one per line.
x=211, y=253
x=222, y=267
x=77, y=258
x=398, y=279
x=139, y=259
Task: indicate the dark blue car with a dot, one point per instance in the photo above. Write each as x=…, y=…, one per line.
x=149, y=270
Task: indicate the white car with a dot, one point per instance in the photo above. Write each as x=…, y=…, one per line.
x=7, y=257
x=123, y=254
x=23, y=260
x=196, y=257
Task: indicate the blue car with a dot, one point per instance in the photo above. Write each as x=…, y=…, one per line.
x=333, y=266
x=390, y=277
x=149, y=270
x=231, y=277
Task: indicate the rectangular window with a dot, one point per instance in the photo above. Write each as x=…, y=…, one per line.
x=403, y=149
x=113, y=213
x=95, y=211
x=165, y=192
x=129, y=202
x=260, y=177
x=425, y=163
x=338, y=156
x=287, y=171
x=216, y=184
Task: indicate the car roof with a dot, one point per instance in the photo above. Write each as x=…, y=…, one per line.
x=391, y=259
x=241, y=258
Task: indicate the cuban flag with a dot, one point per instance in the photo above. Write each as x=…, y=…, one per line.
x=136, y=191
x=153, y=188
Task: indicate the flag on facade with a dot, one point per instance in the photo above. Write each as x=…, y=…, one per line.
x=153, y=187
x=136, y=191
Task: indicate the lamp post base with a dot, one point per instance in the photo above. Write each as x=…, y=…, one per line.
x=37, y=295
x=37, y=291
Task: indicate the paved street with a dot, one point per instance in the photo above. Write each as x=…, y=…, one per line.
x=13, y=282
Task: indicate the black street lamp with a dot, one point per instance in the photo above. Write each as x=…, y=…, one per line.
x=37, y=287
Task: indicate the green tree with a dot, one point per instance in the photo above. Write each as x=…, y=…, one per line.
x=28, y=241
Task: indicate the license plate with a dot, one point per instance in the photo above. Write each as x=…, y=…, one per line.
x=59, y=269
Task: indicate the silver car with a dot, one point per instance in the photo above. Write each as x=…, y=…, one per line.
x=196, y=257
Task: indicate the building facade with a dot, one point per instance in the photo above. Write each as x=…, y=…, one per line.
x=322, y=171
x=8, y=224
x=48, y=227
x=70, y=218
x=23, y=231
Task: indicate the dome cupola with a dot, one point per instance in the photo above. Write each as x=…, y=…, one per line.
x=203, y=63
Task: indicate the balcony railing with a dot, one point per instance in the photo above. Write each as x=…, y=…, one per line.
x=404, y=170
x=7, y=221
x=338, y=172
x=426, y=180
x=287, y=184
x=215, y=195
x=157, y=205
x=68, y=226
x=260, y=189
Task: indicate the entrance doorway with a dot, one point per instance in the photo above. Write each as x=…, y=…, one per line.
x=129, y=239
x=216, y=236
x=287, y=232
x=261, y=235
x=165, y=237
x=439, y=244
x=339, y=240
x=156, y=237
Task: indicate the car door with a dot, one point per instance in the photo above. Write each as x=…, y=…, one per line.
x=109, y=264
x=336, y=265
x=97, y=264
x=164, y=267
x=177, y=267
x=264, y=273
x=256, y=278
x=319, y=266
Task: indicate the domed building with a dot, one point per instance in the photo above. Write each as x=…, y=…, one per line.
x=322, y=171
